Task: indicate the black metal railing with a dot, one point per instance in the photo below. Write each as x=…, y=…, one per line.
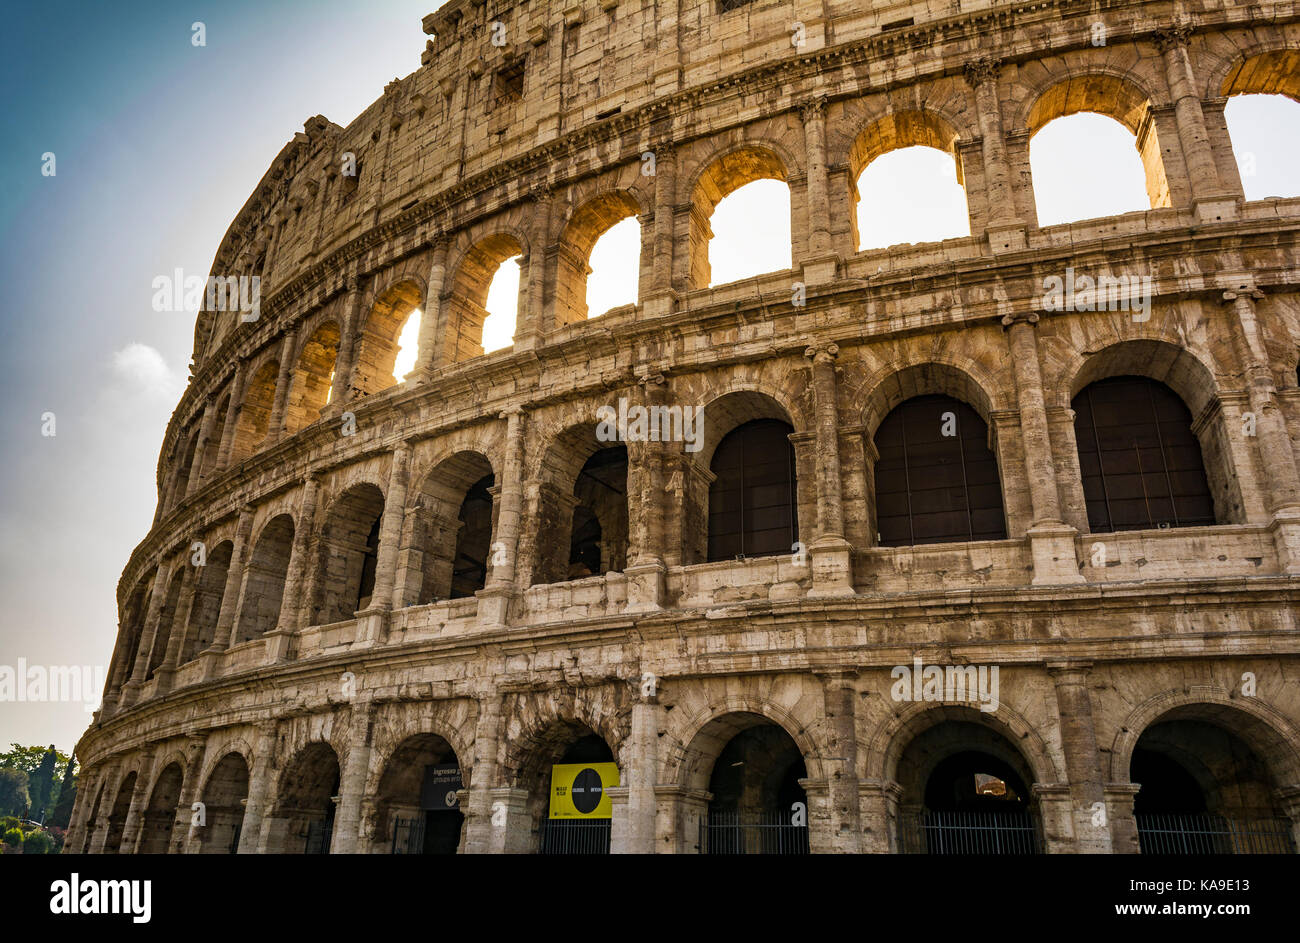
x=730, y=833
x=1009, y=832
x=1167, y=833
x=234, y=839
x=575, y=837
x=318, y=838
x=408, y=836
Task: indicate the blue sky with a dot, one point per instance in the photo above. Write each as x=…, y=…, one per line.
x=157, y=144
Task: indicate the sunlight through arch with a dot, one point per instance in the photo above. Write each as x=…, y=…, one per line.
x=910, y=195
x=751, y=232
x=1086, y=166
x=503, y=306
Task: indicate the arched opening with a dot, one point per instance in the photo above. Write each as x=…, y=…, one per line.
x=452, y=529
x=607, y=225
x=133, y=616
x=965, y=790
x=381, y=337
x=166, y=618
x=1083, y=136
x=417, y=811
x=1204, y=789
x=748, y=236
x=210, y=587
x=91, y=821
x=1140, y=461
x=223, y=806
x=753, y=509
x=757, y=804
x=186, y=469
x=302, y=821
x=908, y=185
x=268, y=567
x=936, y=478
x=160, y=813
x=212, y=448
x=1265, y=133
x=117, y=817
x=310, y=389
x=255, y=412
x=349, y=552
x=474, y=288
x=567, y=777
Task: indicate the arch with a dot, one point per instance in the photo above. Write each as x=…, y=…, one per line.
x=223, y=798
x=453, y=520
x=302, y=818
x=721, y=176
x=160, y=813
x=412, y=810
x=209, y=588
x=707, y=733
x=254, y=421
x=185, y=471
x=936, y=478
x=212, y=448
x=377, y=341
x=466, y=303
x=133, y=616
x=91, y=821
x=898, y=131
x=753, y=501
x=166, y=621
x=313, y=376
x=1113, y=96
x=117, y=817
x=264, y=579
x=584, y=229
x=1267, y=72
x=348, y=551
x=965, y=381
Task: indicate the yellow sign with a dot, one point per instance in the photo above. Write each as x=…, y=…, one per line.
x=578, y=790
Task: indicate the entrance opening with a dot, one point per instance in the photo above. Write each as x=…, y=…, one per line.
x=303, y=819
x=576, y=819
x=417, y=809
x=223, y=801
x=758, y=806
x=160, y=814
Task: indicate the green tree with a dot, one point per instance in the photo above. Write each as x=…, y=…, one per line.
x=41, y=784
x=14, y=798
x=29, y=759
x=61, y=817
x=38, y=843
x=14, y=837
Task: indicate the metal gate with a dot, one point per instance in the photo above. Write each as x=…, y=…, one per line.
x=1194, y=834
x=575, y=837
x=408, y=836
x=730, y=833
x=318, y=837
x=970, y=833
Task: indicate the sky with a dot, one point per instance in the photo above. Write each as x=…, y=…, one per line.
x=157, y=143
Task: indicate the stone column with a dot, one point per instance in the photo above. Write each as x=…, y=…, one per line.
x=185, y=834
x=843, y=826
x=878, y=815
x=352, y=784
x=1006, y=231
x=147, y=632
x=832, y=556
x=495, y=596
x=133, y=826
x=1119, y=810
x=646, y=573
x=234, y=581
x=432, y=327
x=1082, y=758
x=345, y=362
x=479, y=823
x=1051, y=540
x=390, y=529
x=180, y=622
x=259, y=789
x=198, y=472
x=275, y=427
x=295, y=579
x=99, y=828
x=232, y=415
x=1055, y=811
x=1272, y=439
x=1209, y=199
x=531, y=321
x=632, y=830
x=820, y=263
x=659, y=296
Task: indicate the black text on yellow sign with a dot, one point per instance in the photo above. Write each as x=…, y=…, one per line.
x=580, y=790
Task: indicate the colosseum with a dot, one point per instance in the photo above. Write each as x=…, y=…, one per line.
x=874, y=526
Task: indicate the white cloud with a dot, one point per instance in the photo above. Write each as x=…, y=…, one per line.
x=144, y=370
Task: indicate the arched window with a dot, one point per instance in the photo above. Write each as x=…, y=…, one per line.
x=936, y=479
x=752, y=509
x=482, y=306
x=737, y=235
x=598, y=264
x=391, y=327
x=1261, y=115
x=1140, y=461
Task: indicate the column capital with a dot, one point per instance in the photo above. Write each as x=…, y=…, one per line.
x=1232, y=294
x=511, y=412
x=981, y=70
x=1171, y=37
x=813, y=107
x=822, y=353
x=1020, y=317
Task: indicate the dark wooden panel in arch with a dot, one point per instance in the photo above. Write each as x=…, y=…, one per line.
x=936, y=488
x=1140, y=461
x=752, y=498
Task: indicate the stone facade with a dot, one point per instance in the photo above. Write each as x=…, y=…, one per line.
x=327, y=649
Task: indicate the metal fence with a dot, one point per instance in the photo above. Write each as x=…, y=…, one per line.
x=1199, y=834
x=318, y=837
x=730, y=833
x=1008, y=832
x=408, y=836
x=575, y=837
